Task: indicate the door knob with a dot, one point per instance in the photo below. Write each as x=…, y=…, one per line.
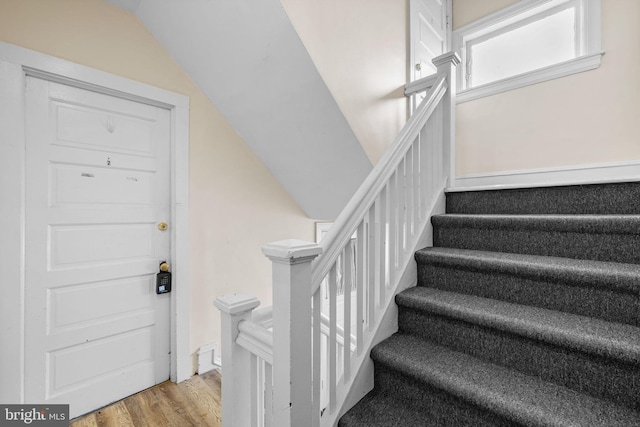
x=163, y=226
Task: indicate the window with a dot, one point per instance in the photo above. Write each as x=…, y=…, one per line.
x=529, y=42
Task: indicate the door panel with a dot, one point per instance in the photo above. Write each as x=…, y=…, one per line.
x=97, y=185
x=81, y=305
x=90, y=185
x=75, y=366
x=75, y=245
x=124, y=126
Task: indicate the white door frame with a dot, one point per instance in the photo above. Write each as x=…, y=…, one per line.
x=16, y=64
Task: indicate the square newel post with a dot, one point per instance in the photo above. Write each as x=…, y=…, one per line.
x=292, y=365
x=446, y=65
x=236, y=361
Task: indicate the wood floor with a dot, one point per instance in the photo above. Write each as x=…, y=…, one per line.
x=195, y=402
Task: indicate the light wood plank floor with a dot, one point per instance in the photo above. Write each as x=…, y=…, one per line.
x=194, y=402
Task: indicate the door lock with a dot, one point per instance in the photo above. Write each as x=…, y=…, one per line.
x=163, y=279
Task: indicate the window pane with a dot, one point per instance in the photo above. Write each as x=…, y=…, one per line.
x=541, y=43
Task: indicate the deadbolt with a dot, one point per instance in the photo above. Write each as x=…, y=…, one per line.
x=163, y=226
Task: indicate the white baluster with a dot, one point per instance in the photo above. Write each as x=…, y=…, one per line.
x=382, y=242
x=333, y=351
x=410, y=201
x=402, y=210
x=348, y=283
x=393, y=226
x=317, y=357
x=418, y=193
x=257, y=392
x=268, y=395
x=371, y=267
x=360, y=274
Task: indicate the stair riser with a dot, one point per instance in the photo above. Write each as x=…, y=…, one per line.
x=597, y=376
x=441, y=408
x=620, y=199
x=613, y=306
x=598, y=247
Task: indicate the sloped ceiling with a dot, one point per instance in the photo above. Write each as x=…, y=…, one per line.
x=247, y=58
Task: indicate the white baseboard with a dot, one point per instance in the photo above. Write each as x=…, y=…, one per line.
x=208, y=358
x=572, y=175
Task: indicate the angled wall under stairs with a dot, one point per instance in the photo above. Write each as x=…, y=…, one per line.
x=526, y=313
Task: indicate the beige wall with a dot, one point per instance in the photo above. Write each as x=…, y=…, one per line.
x=360, y=50
x=586, y=118
x=236, y=204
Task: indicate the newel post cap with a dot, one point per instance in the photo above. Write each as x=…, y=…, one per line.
x=291, y=251
x=236, y=303
x=451, y=57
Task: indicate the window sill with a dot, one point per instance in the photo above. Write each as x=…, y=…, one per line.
x=577, y=65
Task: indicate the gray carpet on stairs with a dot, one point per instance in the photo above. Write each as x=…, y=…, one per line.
x=527, y=313
x=593, y=237
x=609, y=291
x=612, y=199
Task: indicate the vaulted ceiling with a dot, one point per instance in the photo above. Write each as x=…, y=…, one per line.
x=247, y=58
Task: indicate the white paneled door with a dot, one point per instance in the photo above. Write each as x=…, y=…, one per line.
x=429, y=34
x=97, y=188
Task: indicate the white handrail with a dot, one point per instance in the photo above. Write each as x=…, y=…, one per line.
x=325, y=322
x=257, y=339
x=347, y=223
x=263, y=317
x=420, y=85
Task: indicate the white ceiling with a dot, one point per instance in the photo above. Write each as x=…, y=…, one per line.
x=247, y=58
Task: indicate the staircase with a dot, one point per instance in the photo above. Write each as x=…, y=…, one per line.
x=526, y=313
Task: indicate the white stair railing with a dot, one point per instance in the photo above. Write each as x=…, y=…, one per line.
x=296, y=364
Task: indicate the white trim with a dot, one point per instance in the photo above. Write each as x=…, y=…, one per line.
x=322, y=228
x=420, y=85
x=506, y=16
x=15, y=64
x=588, y=44
x=573, y=66
x=552, y=177
x=208, y=358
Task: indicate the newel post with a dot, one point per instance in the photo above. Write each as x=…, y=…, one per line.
x=292, y=365
x=446, y=65
x=236, y=361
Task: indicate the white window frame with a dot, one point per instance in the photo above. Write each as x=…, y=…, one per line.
x=522, y=13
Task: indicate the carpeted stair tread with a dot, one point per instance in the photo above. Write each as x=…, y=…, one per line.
x=613, y=198
x=383, y=410
x=609, y=238
x=586, y=334
x=593, y=224
x=524, y=399
x=610, y=275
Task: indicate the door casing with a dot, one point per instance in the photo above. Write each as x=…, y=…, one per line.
x=16, y=64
